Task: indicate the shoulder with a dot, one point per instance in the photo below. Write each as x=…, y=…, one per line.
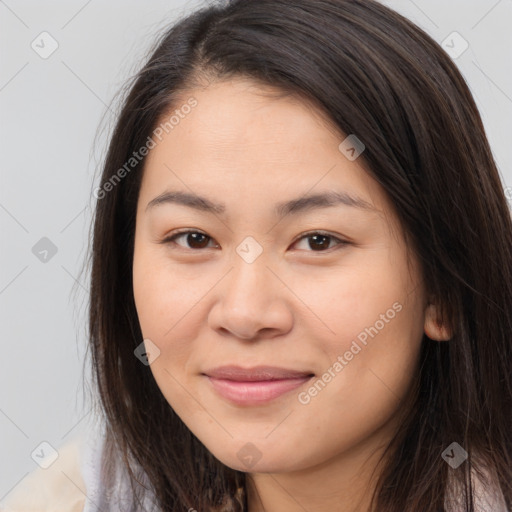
x=59, y=487
x=75, y=483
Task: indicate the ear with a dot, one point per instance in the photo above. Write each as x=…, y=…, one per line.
x=433, y=329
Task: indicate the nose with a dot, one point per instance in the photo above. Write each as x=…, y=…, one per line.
x=251, y=302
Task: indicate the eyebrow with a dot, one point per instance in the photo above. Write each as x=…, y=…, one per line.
x=294, y=206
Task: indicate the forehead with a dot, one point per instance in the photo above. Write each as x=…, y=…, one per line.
x=242, y=135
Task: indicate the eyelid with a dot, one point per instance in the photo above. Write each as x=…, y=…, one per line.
x=341, y=242
x=174, y=234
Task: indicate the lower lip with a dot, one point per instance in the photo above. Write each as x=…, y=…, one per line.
x=255, y=393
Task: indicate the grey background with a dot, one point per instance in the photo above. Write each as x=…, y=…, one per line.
x=50, y=114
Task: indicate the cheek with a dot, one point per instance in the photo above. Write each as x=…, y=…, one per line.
x=357, y=302
x=375, y=321
x=379, y=357
x=164, y=306
x=164, y=301
x=362, y=385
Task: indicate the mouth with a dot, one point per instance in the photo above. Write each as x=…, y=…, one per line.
x=255, y=386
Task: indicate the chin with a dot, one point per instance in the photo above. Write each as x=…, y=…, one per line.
x=257, y=457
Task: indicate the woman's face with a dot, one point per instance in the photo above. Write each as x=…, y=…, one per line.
x=276, y=273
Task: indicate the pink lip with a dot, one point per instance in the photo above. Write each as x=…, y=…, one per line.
x=254, y=386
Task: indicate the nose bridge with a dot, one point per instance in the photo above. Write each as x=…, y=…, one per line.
x=250, y=276
x=248, y=303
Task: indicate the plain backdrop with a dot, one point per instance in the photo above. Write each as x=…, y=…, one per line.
x=51, y=107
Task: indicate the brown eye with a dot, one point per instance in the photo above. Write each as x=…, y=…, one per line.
x=320, y=242
x=194, y=239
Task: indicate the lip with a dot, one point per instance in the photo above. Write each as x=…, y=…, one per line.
x=257, y=385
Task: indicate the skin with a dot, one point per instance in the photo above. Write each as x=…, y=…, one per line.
x=295, y=306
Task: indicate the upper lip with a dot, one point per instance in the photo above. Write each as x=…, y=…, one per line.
x=257, y=373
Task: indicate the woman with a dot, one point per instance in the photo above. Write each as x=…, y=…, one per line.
x=301, y=287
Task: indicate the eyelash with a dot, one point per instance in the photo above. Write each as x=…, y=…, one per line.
x=171, y=239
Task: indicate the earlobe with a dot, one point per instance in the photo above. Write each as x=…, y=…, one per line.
x=433, y=329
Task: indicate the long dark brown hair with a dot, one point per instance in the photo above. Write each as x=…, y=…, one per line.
x=377, y=75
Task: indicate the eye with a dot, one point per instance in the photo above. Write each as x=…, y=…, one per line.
x=318, y=241
x=196, y=239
